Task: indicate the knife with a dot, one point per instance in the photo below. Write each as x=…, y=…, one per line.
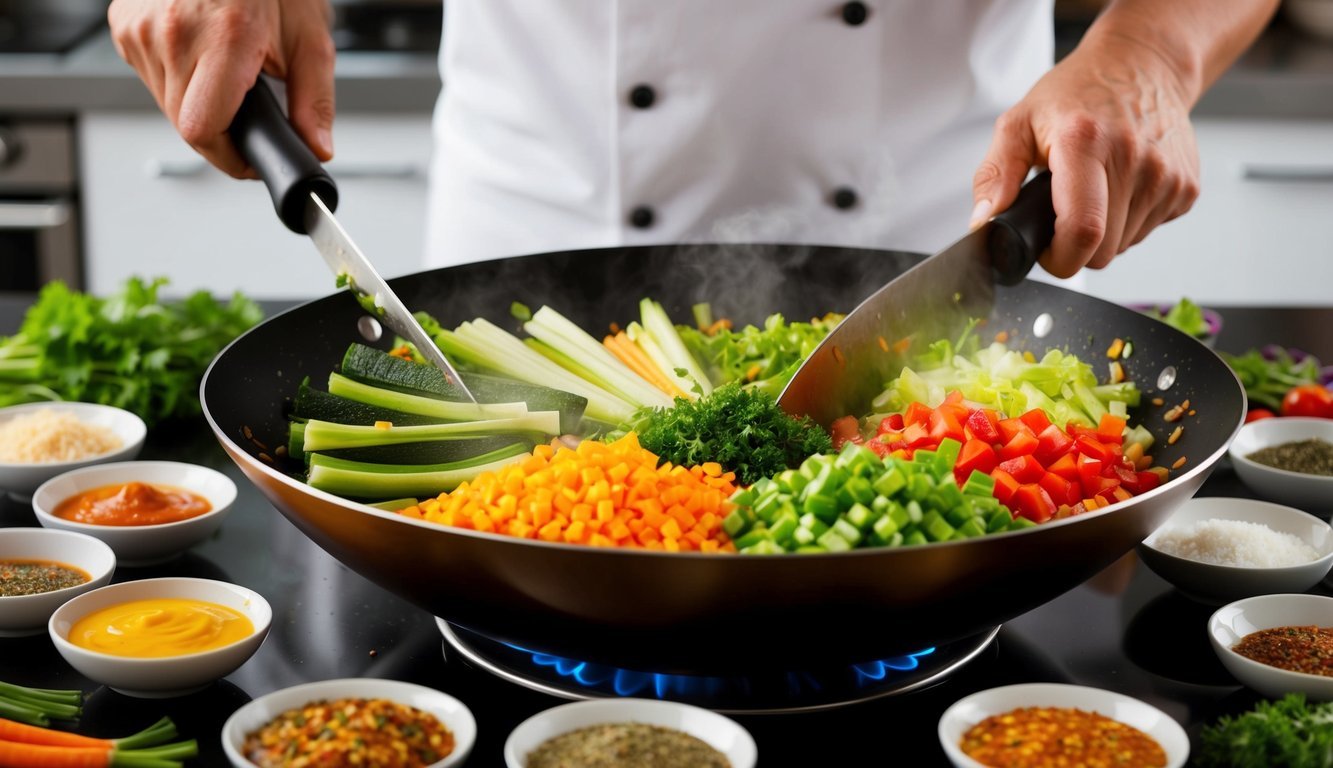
x=305, y=197
x=934, y=299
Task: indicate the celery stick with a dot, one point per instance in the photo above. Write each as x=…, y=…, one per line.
x=488, y=346
x=327, y=436
x=607, y=371
x=426, y=406
x=659, y=326
x=365, y=480
x=654, y=352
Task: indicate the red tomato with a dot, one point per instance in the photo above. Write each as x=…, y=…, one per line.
x=1308, y=400
x=1255, y=414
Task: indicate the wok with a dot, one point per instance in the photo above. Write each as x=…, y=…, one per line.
x=689, y=612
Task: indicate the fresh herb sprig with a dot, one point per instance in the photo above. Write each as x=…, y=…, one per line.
x=1268, y=374
x=131, y=349
x=1289, y=732
x=744, y=430
x=759, y=358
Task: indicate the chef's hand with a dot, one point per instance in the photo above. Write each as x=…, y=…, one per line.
x=199, y=57
x=1112, y=125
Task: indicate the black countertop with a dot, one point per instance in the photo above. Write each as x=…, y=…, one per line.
x=1124, y=630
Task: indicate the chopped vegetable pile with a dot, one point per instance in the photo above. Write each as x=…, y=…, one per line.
x=130, y=350
x=1268, y=374
x=684, y=447
x=1184, y=316
x=603, y=494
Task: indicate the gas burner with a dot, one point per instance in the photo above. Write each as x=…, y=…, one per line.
x=764, y=693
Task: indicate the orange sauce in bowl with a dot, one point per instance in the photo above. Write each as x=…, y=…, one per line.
x=132, y=503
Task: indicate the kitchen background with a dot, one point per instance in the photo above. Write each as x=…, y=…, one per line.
x=96, y=186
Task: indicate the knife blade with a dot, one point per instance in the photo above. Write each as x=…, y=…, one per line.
x=305, y=196
x=935, y=299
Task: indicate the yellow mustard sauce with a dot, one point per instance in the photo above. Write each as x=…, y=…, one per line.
x=160, y=627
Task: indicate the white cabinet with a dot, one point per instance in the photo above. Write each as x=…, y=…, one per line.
x=152, y=207
x=1260, y=233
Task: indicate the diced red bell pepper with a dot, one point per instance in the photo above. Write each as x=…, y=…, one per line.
x=1036, y=420
x=954, y=397
x=1061, y=490
x=943, y=422
x=916, y=413
x=1022, y=444
x=916, y=436
x=1032, y=501
x=1005, y=486
x=982, y=424
x=1089, y=473
x=1052, y=443
x=1025, y=469
x=1010, y=427
x=1077, y=430
x=975, y=455
x=1066, y=466
x=1111, y=429
x=891, y=423
x=1148, y=481
x=1096, y=449
x=1100, y=487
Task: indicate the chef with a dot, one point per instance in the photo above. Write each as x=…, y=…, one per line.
x=886, y=123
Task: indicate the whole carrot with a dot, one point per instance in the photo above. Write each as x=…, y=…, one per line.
x=156, y=733
x=18, y=755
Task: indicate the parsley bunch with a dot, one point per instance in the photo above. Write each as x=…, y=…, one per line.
x=130, y=350
x=1289, y=733
x=744, y=430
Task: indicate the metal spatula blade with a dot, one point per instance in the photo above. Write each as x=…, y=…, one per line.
x=936, y=299
x=305, y=196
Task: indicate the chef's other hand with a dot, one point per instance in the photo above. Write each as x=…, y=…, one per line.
x=199, y=57
x=1111, y=122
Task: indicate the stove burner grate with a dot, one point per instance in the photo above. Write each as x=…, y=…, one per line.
x=774, y=692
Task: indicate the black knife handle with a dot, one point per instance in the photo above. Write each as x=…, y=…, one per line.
x=269, y=143
x=1023, y=231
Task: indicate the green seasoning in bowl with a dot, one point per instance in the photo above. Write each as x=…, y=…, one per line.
x=607, y=745
x=1309, y=457
x=34, y=577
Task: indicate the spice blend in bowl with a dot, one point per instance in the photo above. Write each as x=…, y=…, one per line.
x=1298, y=649
x=605, y=732
x=320, y=724
x=1059, y=736
x=350, y=732
x=607, y=745
x=1267, y=461
x=41, y=569
x=1216, y=549
x=1055, y=725
x=1277, y=644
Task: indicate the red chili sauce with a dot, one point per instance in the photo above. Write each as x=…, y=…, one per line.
x=132, y=503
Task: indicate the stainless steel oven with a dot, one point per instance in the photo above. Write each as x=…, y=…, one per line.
x=39, y=211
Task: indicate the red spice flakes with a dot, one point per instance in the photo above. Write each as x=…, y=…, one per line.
x=1047, y=737
x=1298, y=649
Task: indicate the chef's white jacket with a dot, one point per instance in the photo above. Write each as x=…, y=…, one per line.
x=568, y=124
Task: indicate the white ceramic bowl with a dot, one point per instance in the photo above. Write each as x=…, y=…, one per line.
x=451, y=712
x=969, y=711
x=721, y=733
x=170, y=675
x=1218, y=584
x=141, y=544
x=1235, y=620
x=1312, y=493
x=22, y=479
x=27, y=614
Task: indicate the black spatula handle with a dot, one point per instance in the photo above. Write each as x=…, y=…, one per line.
x=269, y=143
x=1022, y=232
